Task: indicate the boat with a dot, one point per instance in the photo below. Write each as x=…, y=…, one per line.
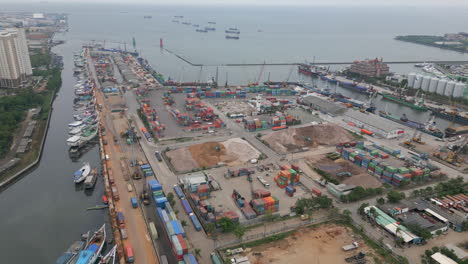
x=456, y=131
x=429, y=128
x=110, y=257
x=355, y=87
x=81, y=140
x=232, y=32
x=403, y=101
x=451, y=116
x=233, y=29
x=328, y=78
x=70, y=254
x=81, y=174
x=187, y=23
x=90, y=180
x=195, y=25
x=179, y=16
x=211, y=22
x=75, y=124
x=232, y=37
x=175, y=21
x=202, y=30
x=210, y=28
x=94, y=248
x=307, y=70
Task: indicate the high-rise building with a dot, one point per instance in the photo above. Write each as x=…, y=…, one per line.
x=370, y=68
x=15, y=64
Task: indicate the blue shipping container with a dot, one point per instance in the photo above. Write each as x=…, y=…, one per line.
x=178, y=191
x=186, y=206
x=134, y=202
x=195, y=222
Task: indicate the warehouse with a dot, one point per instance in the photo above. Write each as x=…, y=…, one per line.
x=375, y=124
x=323, y=105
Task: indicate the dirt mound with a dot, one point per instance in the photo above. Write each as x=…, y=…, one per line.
x=208, y=154
x=294, y=139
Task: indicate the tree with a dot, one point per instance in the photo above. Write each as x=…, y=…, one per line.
x=170, y=198
x=347, y=215
x=269, y=216
x=198, y=252
x=394, y=196
x=323, y=201
x=210, y=228
x=239, y=231
x=361, y=208
x=226, y=224
x=381, y=201
x=415, y=193
x=184, y=223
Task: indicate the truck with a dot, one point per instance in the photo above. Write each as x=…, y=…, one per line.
x=262, y=181
x=134, y=202
x=186, y=206
x=241, y=260
x=316, y=192
x=215, y=259
x=230, y=252
x=123, y=232
x=121, y=219
x=351, y=246
x=195, y=222
x=158, y=155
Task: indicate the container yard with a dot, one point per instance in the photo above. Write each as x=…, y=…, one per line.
x=295, y=139
x=232, y=152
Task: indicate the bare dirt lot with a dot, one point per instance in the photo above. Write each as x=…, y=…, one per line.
x=234, y=107
x=294, y=139
x=234, y=151
x=315, y=245
x=359, y=175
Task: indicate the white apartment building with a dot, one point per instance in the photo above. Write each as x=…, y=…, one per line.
x=15, y=64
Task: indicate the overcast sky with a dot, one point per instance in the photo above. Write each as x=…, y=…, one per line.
x=263, y=2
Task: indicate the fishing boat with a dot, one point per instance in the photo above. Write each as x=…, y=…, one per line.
x=110, y=257
x=356, y=87
x=195, y=25
x=210, y=28
x=232, y=32
x=232, y=37
x=81, y=174
x=211, y=22
x=201, y=30
x=90, y=180
x=403, y=101
x=70, y=254
x=94, y=248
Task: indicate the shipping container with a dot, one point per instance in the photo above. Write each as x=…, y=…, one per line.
x=129, y=254
x=121, y=219
x=153, y=231
x=186, y=206
x=178, y=191
x=123, y=233
x=134, y=202
x=195, y=222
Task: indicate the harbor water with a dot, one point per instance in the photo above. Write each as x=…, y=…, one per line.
x=43, y=213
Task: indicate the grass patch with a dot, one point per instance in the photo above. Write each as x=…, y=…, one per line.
x=327, y=176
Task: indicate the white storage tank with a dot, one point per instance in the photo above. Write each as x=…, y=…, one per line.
x=418, y=81
x=441, y=86
x=459, y=90
x=425, y=83
x=433, y=85
x=449, y=88
x=411, y=79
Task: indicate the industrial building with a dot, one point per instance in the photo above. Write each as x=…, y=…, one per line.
x=442, y=259
x=323, y=105
x=436, y=85
x=340, y=189
x=370, y=68
x=391, y=225
x=15, y=65
x=375, y=124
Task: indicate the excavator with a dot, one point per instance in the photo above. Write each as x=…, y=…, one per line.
x=417, y=137
x=452, y=156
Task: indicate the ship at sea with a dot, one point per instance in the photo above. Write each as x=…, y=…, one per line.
x=232, y=31
x=307, y=70
x=201, y=30
x=417, y=105
x=94, y=248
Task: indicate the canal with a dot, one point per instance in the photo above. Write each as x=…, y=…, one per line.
x=43, y=212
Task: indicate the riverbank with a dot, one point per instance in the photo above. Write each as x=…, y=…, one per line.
x=32, y=157
x=435, y=41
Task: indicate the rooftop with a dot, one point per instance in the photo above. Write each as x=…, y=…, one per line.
x=374, y=120
x=442, y=259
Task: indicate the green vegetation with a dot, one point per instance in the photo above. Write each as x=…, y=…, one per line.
x=229, y=226
x=146, y=123
x=326, y=176
x=360, y=193
x=394, y=196
x=431, y=41
x=419, y=231
x=426, y=257
x=265, y=240
x=40, y=59
x=308, y=205
x=449, y=187
x=170, y=198
x=12, y=112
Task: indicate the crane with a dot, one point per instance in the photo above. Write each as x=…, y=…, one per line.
x=261, y=73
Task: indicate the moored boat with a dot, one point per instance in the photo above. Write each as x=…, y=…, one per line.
x=70, y=254
x=81, y=174
x=403, y=101
x=110, y=257
x=92, y=252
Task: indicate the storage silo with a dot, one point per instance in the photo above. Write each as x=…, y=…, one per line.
x=449, y=88
x=418, y=81
x=411, y=79
x=441, y=86
x=433, y=85
x=459, y=90
x=425, y=83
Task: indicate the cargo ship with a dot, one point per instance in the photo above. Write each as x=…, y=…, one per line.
x=94, y=247
x=232, y=37
x=456, y=131
x=432, y=130
x=453, y=116
x=307, y=70
x=328, y=78
x=403, y=101
x=356, y=87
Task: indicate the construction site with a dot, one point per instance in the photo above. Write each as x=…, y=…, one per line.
x=320, y=244
x=312, y=136
x=232, y=152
